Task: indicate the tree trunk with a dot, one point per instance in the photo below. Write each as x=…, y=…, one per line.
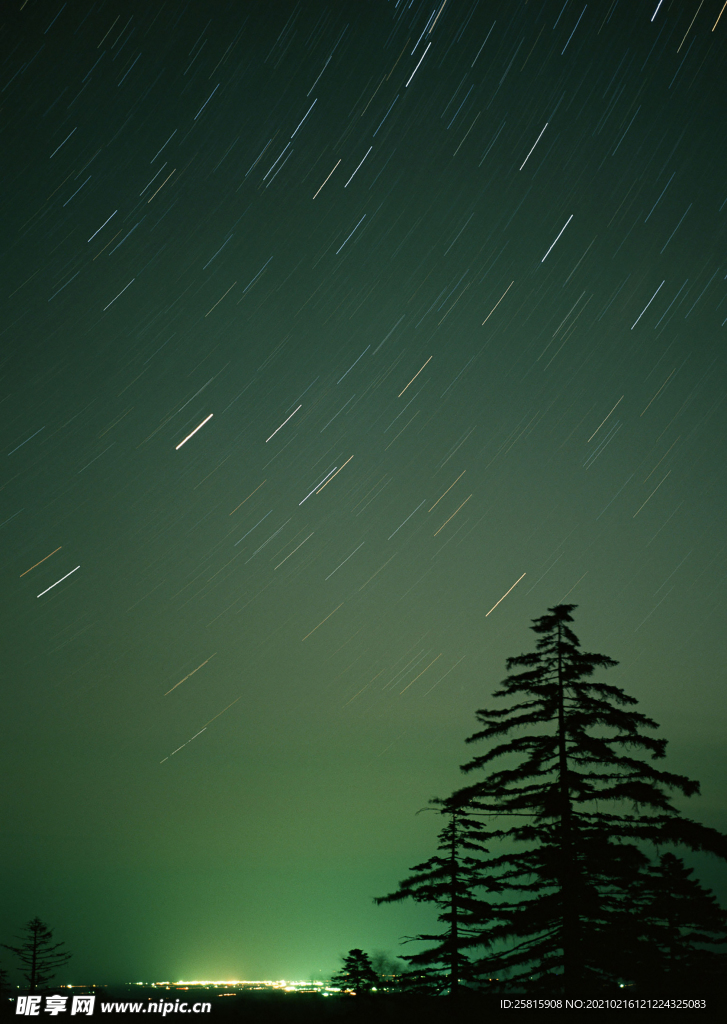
x=454, y=931
x=33, y=963
x=569, y=920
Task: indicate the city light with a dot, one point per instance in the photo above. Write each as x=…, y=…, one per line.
x=270, y=985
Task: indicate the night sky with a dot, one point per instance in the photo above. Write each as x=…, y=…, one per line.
x=326, y=325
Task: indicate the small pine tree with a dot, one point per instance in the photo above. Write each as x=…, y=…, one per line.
x=450, y=880
x=357, y=973
x=39, y=956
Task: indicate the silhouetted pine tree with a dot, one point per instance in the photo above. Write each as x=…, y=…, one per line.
x=573, y=867
x=39, y=956
x=678, y=920
x=450, y=880
x=357, y=973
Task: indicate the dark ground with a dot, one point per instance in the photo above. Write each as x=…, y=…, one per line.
x=301, y=1008
x=275, y=1008
x=402, y=1010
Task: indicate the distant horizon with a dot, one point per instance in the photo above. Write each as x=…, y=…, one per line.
x=176, y=984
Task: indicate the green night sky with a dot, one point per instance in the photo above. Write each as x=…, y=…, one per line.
x=441, y=289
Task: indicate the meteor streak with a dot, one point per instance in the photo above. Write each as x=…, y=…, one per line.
x=249, y=496
x=194, y=432
x=505, y=594
x=559, y=234
x=319, y=484
x=283, y=423
x=345, y=560
x=408, y=518
x=647, y=305
x=189, y=675
x=327, y=178
x=251, y=528
x=183, y=745
x=324, y=620
x=534, y=145
x=497, y=303
x=420, y=674
x=448, y=490
x=66, y=577
x=200, y=731
x=38, y=563
x=294, y=550
x=335, y=474
x=452, y=517
x=414, y=377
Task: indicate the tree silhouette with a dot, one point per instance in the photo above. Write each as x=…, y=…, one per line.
x=450, y=880
x=573, y=866
x=39, y=956
x=356, y=973
x=677, y=919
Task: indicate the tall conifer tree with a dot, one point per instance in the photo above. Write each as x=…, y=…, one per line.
x=572, y=746
x=450, y=880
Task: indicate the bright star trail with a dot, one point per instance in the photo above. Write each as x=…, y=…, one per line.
x=40, y=562
x=504, y=595
x=451, y=276
x=283, y=424
x=206, y=420
x=58, y=581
